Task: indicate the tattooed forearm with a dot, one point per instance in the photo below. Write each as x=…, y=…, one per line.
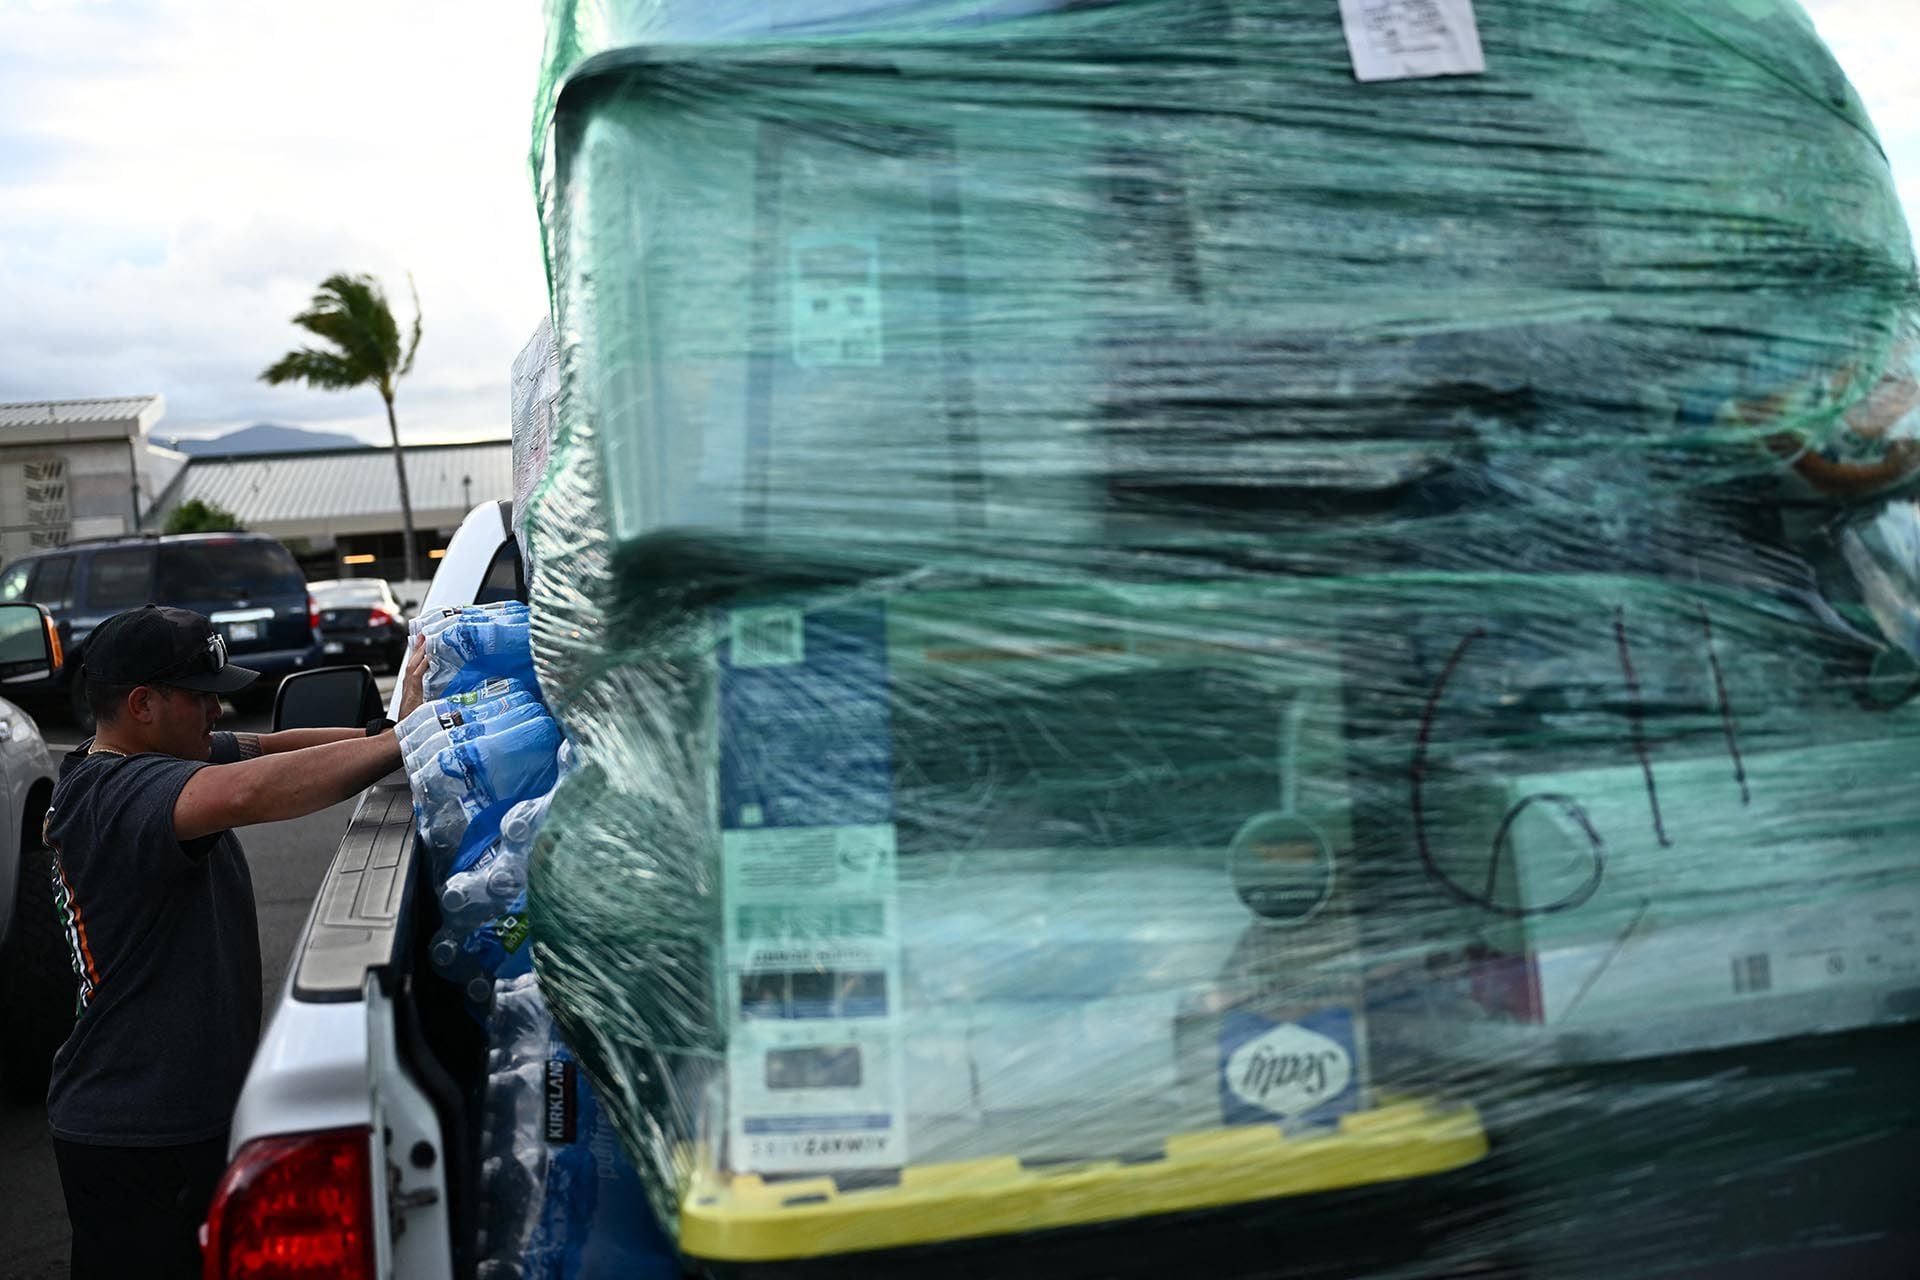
x=248, y=744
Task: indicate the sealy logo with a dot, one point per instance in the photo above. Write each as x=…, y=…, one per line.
x=1289, y=1070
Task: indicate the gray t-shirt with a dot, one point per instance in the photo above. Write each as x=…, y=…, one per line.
x=167, y=952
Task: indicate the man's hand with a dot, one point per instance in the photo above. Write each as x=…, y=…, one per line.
x=413, y=686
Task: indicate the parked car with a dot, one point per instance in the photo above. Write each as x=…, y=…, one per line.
x=249, y=585
x=36, y=978
x=361, y=621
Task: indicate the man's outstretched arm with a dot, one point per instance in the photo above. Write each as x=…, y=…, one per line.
x=273, y=744
x=291, y=784
x=296, y=772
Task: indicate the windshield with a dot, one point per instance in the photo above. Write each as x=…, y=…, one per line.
x=227, y=571
x=335, y=595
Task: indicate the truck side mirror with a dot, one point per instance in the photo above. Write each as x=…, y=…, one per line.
x=29, y=645
x=329, y=698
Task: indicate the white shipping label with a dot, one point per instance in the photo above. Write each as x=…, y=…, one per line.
x=815, y=1064
x=1866, y=940
x=816, y=1098
x=1412, y=39
x=835, y=288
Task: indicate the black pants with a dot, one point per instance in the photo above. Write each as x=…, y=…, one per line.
x=136, y=1211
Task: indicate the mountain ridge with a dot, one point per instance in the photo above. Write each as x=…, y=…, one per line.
x=262, y=437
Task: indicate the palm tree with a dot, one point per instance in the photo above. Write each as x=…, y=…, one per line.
x=351, y=313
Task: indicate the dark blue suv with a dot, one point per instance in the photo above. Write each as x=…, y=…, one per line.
x=247, y=584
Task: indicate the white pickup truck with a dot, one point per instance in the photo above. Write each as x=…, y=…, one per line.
x=354, y=1138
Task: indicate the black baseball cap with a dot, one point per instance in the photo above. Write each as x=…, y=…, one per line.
x=159, y=645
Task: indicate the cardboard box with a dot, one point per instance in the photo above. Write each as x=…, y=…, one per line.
x=1690, y=903
x=1076, y=800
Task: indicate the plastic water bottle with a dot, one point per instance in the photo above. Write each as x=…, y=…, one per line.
x=497, y=949
x=492, y=689
x=467, y=705
x=499, y=721
x=486, y=889
x=517, y=828
x=489, y=883
x=474, y=650
x=516, y=763
x=504, y=1199
x=483, y=883
x=512, y=1169
x=438, y=618
x=452, y=787
x=444, y=714
x=520, y=1026
x=434, y=621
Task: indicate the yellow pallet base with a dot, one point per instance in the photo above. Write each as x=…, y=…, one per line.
x=746, y=1219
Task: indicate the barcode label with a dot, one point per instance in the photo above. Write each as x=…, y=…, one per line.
x=768, y=638
x=768, y=922
x=1752, y=973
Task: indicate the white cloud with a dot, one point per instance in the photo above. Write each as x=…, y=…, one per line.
x=176, y=177
x=1877, y=43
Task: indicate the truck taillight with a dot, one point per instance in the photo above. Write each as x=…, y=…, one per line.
x=294, y=1206
x=313, y=615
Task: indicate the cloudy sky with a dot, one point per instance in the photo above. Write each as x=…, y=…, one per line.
x=177, y=175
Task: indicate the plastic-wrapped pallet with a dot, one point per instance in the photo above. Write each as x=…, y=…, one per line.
x=1180, y=611
x=536, y=388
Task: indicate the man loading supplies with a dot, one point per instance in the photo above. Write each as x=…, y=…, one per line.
x=157, y=902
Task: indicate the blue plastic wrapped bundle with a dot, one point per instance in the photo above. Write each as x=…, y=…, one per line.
x=458, y=783
x=559, y=1199
x=492, y=882
x=1155, y=625
x=482, y=757
x=443, y=715
x=473, y=650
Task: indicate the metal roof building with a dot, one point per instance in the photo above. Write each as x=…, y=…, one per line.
x=77, y=469
x=338, y=492
x=49, y=421
x=72, y=469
